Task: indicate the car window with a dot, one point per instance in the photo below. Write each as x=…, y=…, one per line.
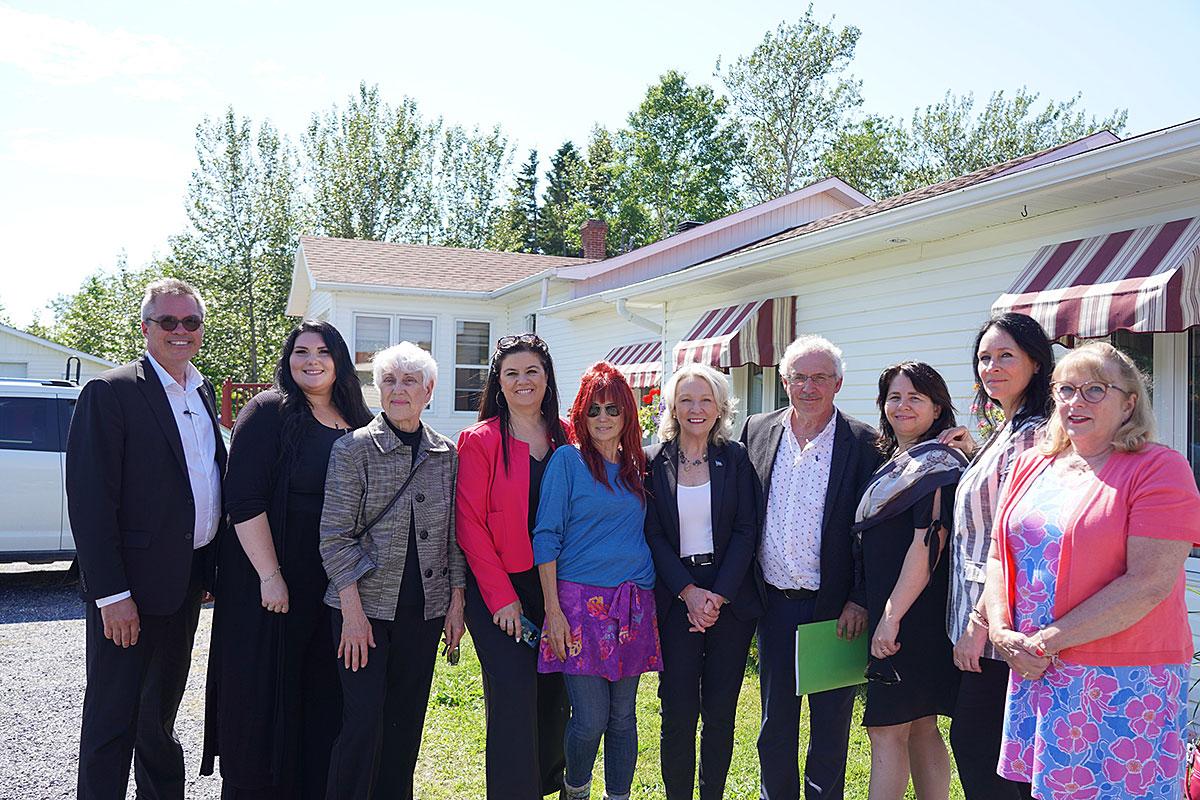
x=29, y=423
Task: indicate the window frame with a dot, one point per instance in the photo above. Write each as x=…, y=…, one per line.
x=454, y=409
x=393, y=336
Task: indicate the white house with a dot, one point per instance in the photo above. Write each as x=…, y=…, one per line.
x=1098, y=237
x=23, y=355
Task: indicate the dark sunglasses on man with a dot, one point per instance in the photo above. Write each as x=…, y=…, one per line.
x=169, y=323
x=612, y=409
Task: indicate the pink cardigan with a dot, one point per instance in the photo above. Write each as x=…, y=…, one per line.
x=492, y=509
x=1149, y=493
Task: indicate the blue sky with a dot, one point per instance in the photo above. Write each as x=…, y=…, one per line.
x=99, y=101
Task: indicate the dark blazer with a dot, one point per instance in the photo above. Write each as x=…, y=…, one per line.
x=128, y=493
x=855, y=458
x=735, y=529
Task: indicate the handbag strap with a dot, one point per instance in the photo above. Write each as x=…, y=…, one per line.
x=421, y=459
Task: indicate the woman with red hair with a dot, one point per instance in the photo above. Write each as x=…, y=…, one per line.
x=601, y=631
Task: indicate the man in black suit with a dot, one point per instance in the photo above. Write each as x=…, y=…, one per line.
x=144, y=465
x=811, y=463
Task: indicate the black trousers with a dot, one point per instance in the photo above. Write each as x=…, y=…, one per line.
x=701, y=678
x=527, y=712
x=779, y=736
x=976, y=731
x=131, y=701
x=383, y=708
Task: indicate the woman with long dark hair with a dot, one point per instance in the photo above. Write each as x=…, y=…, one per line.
x=1012, y=361
x=273, y=698
x=901, y=524
x=601, y=630
x=501, y=462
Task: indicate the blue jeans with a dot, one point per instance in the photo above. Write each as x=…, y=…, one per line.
x=602, y=708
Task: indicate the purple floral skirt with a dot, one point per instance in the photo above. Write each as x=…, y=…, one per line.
x=614, y=632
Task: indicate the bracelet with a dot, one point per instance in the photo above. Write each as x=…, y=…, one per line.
x=978, y=618
x=271, y=577
x=1039, y=639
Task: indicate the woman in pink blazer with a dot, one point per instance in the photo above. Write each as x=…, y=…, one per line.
x=501, y=462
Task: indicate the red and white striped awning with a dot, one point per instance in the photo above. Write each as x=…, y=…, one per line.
x=640, y=362
x=749, y=333
x=1145, y=280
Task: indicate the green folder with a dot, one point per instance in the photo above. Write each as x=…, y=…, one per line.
x=823, y=661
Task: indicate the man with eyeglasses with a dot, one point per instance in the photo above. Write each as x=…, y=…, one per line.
x=144, y=464
x=812, y=463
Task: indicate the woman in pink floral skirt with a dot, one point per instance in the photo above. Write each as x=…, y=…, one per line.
x=1085, y=593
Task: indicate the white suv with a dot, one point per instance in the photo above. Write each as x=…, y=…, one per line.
x=34, y=417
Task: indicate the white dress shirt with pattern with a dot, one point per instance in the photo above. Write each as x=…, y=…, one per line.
x=790, y=551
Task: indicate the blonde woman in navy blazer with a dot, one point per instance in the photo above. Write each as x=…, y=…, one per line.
x=701, y=528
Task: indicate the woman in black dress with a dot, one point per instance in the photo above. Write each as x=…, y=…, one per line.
x=273, y=703
x=901, y=525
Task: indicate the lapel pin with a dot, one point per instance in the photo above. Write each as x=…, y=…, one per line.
x=718, y=463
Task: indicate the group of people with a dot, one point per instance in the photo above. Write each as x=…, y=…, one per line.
x=1029, y=585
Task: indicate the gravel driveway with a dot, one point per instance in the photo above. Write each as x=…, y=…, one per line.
x=42, y=681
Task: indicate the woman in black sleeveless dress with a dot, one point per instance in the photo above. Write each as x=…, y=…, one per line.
x=901, y=525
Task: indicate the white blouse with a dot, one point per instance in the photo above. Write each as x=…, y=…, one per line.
x=695, y=519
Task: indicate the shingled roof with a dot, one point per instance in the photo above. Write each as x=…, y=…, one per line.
x=1099, y=139
x=415, y=266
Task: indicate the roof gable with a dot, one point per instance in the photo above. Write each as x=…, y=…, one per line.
x=712, y=239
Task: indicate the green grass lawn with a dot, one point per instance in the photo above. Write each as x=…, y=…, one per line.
x=451, y=764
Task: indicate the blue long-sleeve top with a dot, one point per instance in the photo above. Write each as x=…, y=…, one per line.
x=594, y=532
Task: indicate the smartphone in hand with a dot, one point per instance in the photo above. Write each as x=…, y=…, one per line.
x=530, y=634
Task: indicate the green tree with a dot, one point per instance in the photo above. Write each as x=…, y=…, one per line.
x=104, y=316
x=563, y=203
x=364, y=166
x=517, y=229
x=869, y=156
x=469, y=185
x=679, y=154
x=244, y=210
x=947, y=139
x=794, y=101
x=4, y=315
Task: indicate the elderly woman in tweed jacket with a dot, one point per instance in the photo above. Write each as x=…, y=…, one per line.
x=396, y=576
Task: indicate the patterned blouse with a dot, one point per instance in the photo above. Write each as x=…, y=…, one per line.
x=974, y=506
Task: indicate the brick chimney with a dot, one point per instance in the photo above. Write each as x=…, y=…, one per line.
x=594, y=233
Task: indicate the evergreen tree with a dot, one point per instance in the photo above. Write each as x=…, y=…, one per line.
x=517, y=229
x=563, y=209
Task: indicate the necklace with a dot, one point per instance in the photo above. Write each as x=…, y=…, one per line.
x=689, y=463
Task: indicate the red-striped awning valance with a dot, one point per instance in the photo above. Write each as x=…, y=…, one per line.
x=749, y=333
x=1145, y=280
x=640, y=362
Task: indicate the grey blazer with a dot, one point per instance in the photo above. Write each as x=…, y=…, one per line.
x=365, y=470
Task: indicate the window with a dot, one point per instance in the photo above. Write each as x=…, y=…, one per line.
x=472, y=346
x=373, y=332
x=29, y=423
x=1139, y=347
x=14, y=369
x=417, y=331
x=764, y=390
